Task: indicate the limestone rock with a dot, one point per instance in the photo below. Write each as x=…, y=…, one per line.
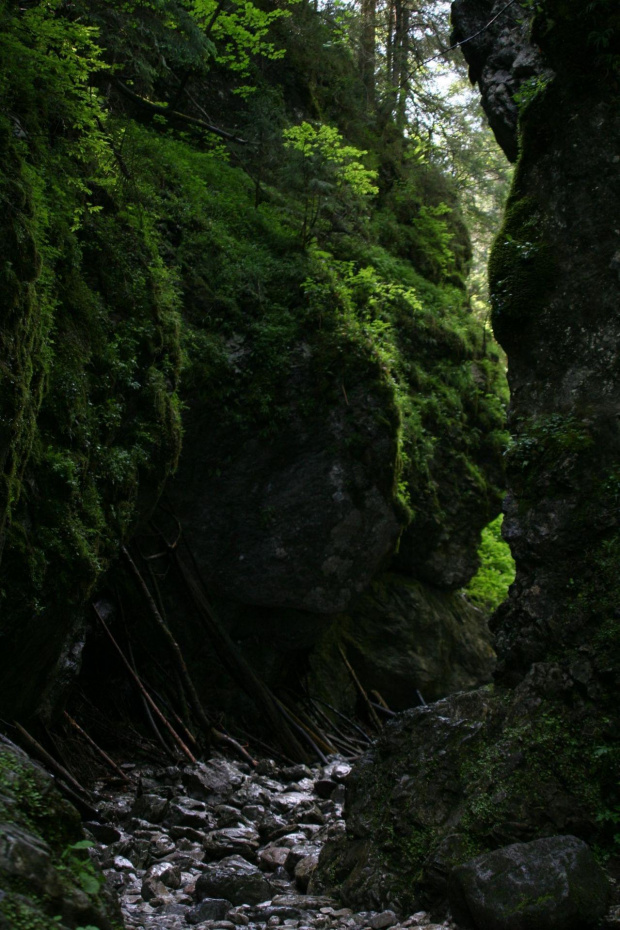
x=160, y=877
x=36, y=848
x=150, y=807
x=240, y=840
x=300, y=522
x=548, y=884
x=305, y=869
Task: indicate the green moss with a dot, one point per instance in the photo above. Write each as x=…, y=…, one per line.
x=522, y=268
x=29, y=800
x=22, y=914
x=89, y=420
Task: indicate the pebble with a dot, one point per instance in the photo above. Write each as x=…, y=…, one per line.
x=220, y=824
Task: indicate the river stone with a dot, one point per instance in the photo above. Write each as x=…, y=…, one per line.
x=208, y=909
x=235, y=880
x=549, y=884
x=207, y=780
x=150, y=807
x=165, y=872
x=231, y=840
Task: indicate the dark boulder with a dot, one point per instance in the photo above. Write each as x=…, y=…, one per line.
x=301, y=521
x=549, y=884
x=235, y=880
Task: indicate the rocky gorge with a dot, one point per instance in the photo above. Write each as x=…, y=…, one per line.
x=343, y=447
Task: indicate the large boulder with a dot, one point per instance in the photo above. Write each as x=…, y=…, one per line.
x=461, y=777
x=234, y=879
x=548, y=884
x=303, y=520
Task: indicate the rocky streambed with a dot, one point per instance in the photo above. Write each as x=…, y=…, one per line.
x=221, y=845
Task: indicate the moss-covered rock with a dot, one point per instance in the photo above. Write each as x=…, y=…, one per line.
x=47, y=878
x=469, y=774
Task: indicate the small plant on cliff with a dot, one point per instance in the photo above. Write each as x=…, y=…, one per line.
x=326, y=169
x=489, y=586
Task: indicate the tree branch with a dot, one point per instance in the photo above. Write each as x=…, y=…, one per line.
x=171, y=113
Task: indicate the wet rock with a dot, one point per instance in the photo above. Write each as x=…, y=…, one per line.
x=243, y=841
x=103, y=832
x=186, y=812
x=549, y=884
x=150, y=807
x=273, y=857
x=211, y=779
x=297, y=853
x=161, y=845
x=159, y=878
x=229, y=816
x=325, y=787
x=236, y=880
x=121, y=864
x=304, y=870
x=208, y=909
x=337, y=771
x=382, y=920
x=295, y=772
x=303, y=902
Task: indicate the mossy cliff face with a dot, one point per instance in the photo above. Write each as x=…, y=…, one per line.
x=536, y=755
x=90, y=357
x=556, y=291
x=339, y=396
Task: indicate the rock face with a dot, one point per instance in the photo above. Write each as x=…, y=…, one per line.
x=45, y=877
x=528, y=760
x=402, y=637
x=290, y=532
x=501, y=58
x=549, y=884
x=301, y=522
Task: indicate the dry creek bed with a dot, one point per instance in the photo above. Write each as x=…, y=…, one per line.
x=221, y=846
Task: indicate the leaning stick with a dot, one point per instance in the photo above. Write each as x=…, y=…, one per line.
x=51, y=762
x=149, y=700
x=371, y=711
x=174, y=646
x=351, y=723
x=110, y=762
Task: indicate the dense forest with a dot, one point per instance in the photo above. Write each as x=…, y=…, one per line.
x=256, y=440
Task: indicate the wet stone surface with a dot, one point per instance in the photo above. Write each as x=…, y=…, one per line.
x=221, y=846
